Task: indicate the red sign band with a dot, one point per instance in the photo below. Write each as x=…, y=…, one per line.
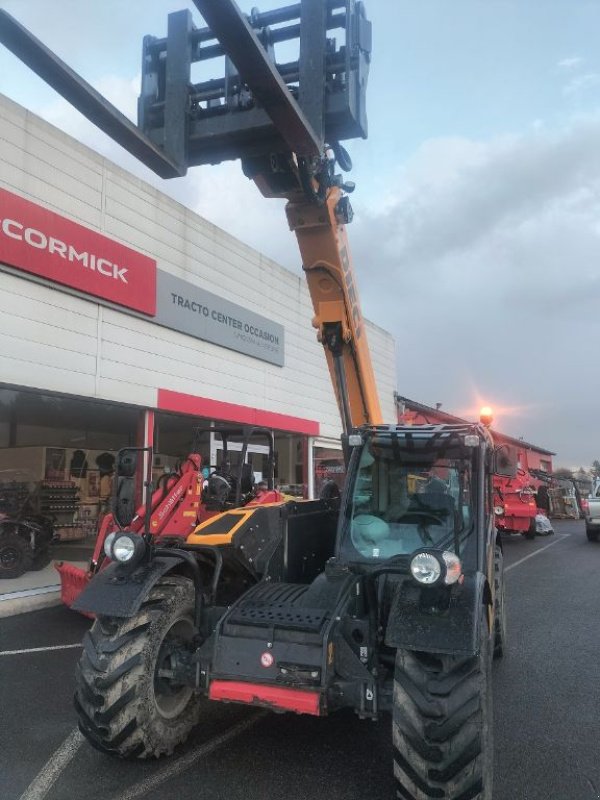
x=38, y=241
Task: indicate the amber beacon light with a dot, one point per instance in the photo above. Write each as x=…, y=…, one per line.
x=486, y=416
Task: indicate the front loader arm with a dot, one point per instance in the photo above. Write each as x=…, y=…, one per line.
x=327, y=262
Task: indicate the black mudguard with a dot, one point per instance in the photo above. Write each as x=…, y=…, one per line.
x=115, y=593
x=414, y=625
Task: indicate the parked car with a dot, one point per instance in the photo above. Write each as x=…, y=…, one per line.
x=591, y=515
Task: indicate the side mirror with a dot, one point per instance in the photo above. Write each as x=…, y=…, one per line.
x=123, y=506
x=505, y=461
x=126, y=463
x=124, y=502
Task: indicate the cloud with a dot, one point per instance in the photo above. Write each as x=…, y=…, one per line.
x=570, y=63
x=487, y=271
x=582, y=84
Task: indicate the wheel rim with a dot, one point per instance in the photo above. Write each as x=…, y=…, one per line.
x=170, y=698
x=9, y=557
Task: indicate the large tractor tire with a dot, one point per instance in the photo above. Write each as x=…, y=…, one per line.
x=500, y=635
x=442, y=725
x=125, y=707
x=15, y=555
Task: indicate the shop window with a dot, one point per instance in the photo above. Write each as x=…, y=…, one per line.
x=174, y=438
x=57, y=457
x=329, y=466
x=291, y=474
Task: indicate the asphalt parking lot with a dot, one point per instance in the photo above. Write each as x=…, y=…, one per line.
x=547, y=711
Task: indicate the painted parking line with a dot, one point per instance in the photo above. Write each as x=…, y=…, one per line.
x=60, y=759
x=39, y=649
x=50, y=772
x=537, y=552
x=179, y=765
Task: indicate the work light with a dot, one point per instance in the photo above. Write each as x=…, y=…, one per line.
x=108, y=544
x=124, y=548
x=435, y=567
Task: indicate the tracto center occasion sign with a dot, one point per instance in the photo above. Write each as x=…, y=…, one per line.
x=189, y=309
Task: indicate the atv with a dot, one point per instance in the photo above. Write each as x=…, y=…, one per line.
x=24, y=544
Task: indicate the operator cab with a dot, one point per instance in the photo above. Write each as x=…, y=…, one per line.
x=410, y=489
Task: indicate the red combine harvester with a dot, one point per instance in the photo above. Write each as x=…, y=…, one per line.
x=515, y=500
x=181, y=501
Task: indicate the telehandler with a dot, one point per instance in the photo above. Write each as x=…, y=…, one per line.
x=384, y=599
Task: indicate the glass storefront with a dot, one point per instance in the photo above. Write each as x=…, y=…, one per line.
x=57, y=457
x=175, y=435
x=329, y=467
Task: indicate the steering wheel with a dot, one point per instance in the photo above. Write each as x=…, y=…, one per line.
x=424, y=508
x=417, y=512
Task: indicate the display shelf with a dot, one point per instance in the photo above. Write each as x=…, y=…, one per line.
x=59, y=500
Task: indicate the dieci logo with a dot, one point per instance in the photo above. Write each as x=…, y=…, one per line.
x=46, y=244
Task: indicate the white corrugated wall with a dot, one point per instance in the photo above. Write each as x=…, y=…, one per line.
x=55, y=340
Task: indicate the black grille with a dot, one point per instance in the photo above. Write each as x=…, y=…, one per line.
x=278, y=606
x=279, y=616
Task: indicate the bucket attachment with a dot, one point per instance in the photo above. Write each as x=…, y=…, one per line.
x=73, y=581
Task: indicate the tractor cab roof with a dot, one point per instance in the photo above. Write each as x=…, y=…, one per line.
x=427, y=437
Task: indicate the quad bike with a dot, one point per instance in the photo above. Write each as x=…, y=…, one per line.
x=24, y=544
x=25, y=536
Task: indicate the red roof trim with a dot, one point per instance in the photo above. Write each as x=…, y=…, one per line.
x=232, y=412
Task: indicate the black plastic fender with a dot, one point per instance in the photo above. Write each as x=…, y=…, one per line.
x=419, y=620
x=114, y=593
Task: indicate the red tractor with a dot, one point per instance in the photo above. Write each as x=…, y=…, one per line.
x=180, y=502
x=515, y=505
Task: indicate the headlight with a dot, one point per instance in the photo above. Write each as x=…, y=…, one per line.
x=123, y=549
x=108, y=544
x=425, y=568
x=498, y=511
x=433, y=567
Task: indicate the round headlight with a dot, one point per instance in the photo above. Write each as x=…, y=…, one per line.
x=453, y=567
x=108, y=544
x=498, y=511
x=123, y=549
x=425, y=568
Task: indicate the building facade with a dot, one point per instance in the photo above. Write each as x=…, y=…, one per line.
x=128, y=319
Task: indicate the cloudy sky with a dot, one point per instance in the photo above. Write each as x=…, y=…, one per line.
x=476, y=236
